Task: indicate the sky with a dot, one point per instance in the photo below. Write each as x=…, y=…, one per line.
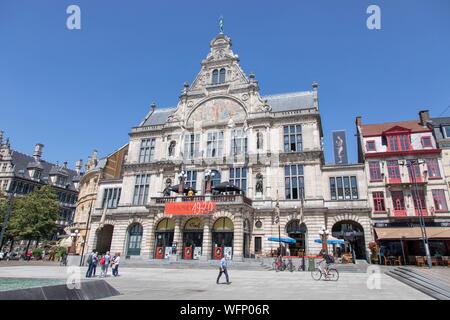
x=79, y=90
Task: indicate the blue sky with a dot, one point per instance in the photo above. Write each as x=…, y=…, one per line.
x=80, y=90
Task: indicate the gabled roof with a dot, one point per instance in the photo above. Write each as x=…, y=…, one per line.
x=278, y=103
x=21, y=162
x=378, y=129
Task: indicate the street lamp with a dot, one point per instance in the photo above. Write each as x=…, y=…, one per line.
x=412, y=165
x=74, y=236
x=324, y=233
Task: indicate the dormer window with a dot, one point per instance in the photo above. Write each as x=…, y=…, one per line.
x=218, y=77
x=398, y=142
x=37, y=174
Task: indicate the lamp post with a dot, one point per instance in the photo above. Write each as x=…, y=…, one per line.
x=8, y=213
x=324, y=233
x=412, y=165
x=74, y=236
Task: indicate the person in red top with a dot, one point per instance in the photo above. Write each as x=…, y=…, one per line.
x=29, y=255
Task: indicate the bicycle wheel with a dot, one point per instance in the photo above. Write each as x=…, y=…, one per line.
x=333, y=275
x=291, y=267
x=316, y=274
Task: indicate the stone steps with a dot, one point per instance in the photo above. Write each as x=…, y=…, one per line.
x=433, y=287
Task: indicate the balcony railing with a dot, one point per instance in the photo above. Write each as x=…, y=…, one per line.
x=226, y=198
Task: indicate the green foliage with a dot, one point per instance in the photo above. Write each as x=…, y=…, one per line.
x=60, y=251
x=37, y=252
x=3, y=207
x=34, y=215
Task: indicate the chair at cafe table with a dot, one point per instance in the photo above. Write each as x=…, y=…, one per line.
x=398, y=261
x=411, y=260
x=387, y=261
x=444, y=261
x=420, y=261
x=434, y=261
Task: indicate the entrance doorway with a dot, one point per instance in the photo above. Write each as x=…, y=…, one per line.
x=353, y=234
x=192, y=239
x=297, y=231
x=164, y=238
x=104, y=239
x=222, y=238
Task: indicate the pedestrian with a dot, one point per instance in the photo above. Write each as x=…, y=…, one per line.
x=223, y=269
x=102, y=266
x=94, y=263
x=89, y=263
x=116, y=263
x=29, y=255
x=107, y=261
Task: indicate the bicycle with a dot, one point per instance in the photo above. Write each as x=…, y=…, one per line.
x=332, y=274
x=290, y=266
x=279, y=265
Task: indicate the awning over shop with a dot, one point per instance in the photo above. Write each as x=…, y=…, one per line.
x=412, y=233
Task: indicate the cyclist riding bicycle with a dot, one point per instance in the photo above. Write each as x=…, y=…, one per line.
x=325, y=263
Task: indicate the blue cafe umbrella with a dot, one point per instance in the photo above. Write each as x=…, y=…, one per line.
x=331, y=241
x=285, y=240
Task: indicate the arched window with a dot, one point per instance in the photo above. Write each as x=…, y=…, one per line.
x=134, y=240
x=215, y=77
x=222, y=75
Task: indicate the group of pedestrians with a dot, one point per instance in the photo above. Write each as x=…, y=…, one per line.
x=105, y=261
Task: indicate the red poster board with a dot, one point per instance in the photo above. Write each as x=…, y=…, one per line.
x=160, y=252
x=190, y=207
x=188, y=253
x=218, y=253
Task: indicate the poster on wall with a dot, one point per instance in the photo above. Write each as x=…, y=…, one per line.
x=227, y=252
x=340, y=147
x=168, y=252
x=197, y=253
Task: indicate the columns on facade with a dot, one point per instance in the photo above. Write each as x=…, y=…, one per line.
x=178, y=237
x=149, y=246
x=250, y=184
x=238, y=237
x=207, y=240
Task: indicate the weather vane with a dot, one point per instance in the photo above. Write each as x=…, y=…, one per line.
x=221, y=24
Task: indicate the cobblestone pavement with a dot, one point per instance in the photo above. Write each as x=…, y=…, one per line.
x=194, y=284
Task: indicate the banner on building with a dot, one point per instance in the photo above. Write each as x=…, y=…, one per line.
x=340, y=147
x=190, y=207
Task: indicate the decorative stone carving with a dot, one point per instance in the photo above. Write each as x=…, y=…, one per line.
x=259, y=183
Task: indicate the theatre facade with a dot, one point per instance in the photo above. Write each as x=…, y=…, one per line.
x=224, y=170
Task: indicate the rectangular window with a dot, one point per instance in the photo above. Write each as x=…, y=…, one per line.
x=446, y=130
x=375, y=171
x=293, y=138
x=398, y=142
x=440, y=204
x=433, y=168
x=333, y=188
x=191, y=180
x=419, y=201
x=214, y=144
x=426, y=142
x=147, y=151
x=398, y=202
x=4, y=165
x=111, y=197
x=370, y=145
x=238, y=142
x=141, y=189
x=294, y=182
x=238, y=177
x=414, y=170
x=192, y=146
x=393, y=171
x=378, y=202
x=340, y=189
x=258, y=245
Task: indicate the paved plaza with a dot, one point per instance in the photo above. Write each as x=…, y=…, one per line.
x=196, y=284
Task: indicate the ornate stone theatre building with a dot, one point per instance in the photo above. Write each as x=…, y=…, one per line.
x=205, y=178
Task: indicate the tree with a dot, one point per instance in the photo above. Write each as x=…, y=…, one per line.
x=34, y=216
